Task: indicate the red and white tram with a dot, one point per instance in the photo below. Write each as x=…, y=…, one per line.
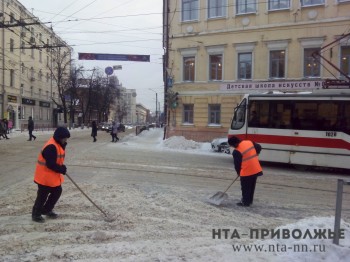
x=297, y=128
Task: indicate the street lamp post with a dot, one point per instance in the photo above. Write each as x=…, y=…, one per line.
x=156, y=105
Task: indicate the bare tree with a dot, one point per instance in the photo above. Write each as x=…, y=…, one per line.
x=60, y=75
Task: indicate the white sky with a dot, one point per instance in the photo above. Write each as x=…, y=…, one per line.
x=160, y=224
x=135, y=29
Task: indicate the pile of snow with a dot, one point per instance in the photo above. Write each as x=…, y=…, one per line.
x=180, y=142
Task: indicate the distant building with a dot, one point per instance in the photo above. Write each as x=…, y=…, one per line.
x=27, y=87
x=218, y=50
x=142, y=114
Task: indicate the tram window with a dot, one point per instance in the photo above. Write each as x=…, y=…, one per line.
x=239, y=116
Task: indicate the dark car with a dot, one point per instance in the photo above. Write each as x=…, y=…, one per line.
x=121, y=128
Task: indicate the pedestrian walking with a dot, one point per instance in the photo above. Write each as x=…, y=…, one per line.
x=114, y=132
x=31, y=128
x=4, y=127
x=94, y=130
x=247, y=165
x=48, y=175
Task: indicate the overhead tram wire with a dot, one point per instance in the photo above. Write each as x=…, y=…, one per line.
x=128, y=1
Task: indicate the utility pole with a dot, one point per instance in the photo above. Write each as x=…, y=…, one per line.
x=2, y=97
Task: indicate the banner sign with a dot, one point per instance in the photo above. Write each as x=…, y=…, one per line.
x=283, y=85
x=115, y=57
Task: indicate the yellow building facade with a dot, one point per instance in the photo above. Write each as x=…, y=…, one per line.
x=29, y=53
x=216, y=51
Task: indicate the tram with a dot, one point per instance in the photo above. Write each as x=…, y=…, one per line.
x=305, y=128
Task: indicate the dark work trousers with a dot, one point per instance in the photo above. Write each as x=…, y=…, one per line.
x=46, y=199
x=31, y=135
x=248, y=187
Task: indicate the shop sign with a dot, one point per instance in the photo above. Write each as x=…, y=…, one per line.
x=44, y=104
x=12, y=99
x=27, y=101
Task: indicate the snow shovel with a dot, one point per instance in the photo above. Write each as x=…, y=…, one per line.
x=108, y=219
x=219, y=197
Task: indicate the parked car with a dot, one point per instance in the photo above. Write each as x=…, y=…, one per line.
x=102, y=125
x=107, y=127
x=121, y=128
x=220, y=145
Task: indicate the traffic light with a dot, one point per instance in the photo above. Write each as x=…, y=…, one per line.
x=175, y=101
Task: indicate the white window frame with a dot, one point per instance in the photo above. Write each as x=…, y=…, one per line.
x=270, y=7
x=305, y=3
x=184, y=115
x=216, y=50
x=343, y=43
x=307, y=43
x=193, y=12
x=271, y=65
x=278, y=45
x=245, y=3
x=222, y=5
x=245, y=48
x=188, y=52
x=217, y=114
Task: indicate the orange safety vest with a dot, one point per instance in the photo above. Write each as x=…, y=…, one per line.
x=45, y=176
x=250, y=161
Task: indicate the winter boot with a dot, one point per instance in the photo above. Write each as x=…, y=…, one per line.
x=50, y=214
x=36, y=216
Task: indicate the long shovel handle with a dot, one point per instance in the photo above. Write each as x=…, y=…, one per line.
x=86, y=195
x=231, y=184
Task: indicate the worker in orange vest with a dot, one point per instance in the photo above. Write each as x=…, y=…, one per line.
x=247, y=165
x=48, y=175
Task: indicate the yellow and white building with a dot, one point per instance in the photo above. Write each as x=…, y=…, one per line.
x=27, y=61
x=217, y=50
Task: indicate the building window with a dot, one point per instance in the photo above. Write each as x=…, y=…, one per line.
x=311, y=65
x=188, y=114
x=23, y=47
x=40, y=56
x=39, y=92
x=12, y=77
x=216, y=8
x=40, y=75
x=190, y=10
x=23, y=112
x=23, y=68
x=215, y=67
x=12, y=45
x=47, y=77
x=31, y=91
x=22, y=89
x=279, y=4
x=345, y=59
x=311, y=2
x=47, y=94
x=32, y=73
x=245, y=66
x=32, y=54
x=12, y=18
x=214, y=114
x=277, y=64
x=189, y=68
x=245, y=6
